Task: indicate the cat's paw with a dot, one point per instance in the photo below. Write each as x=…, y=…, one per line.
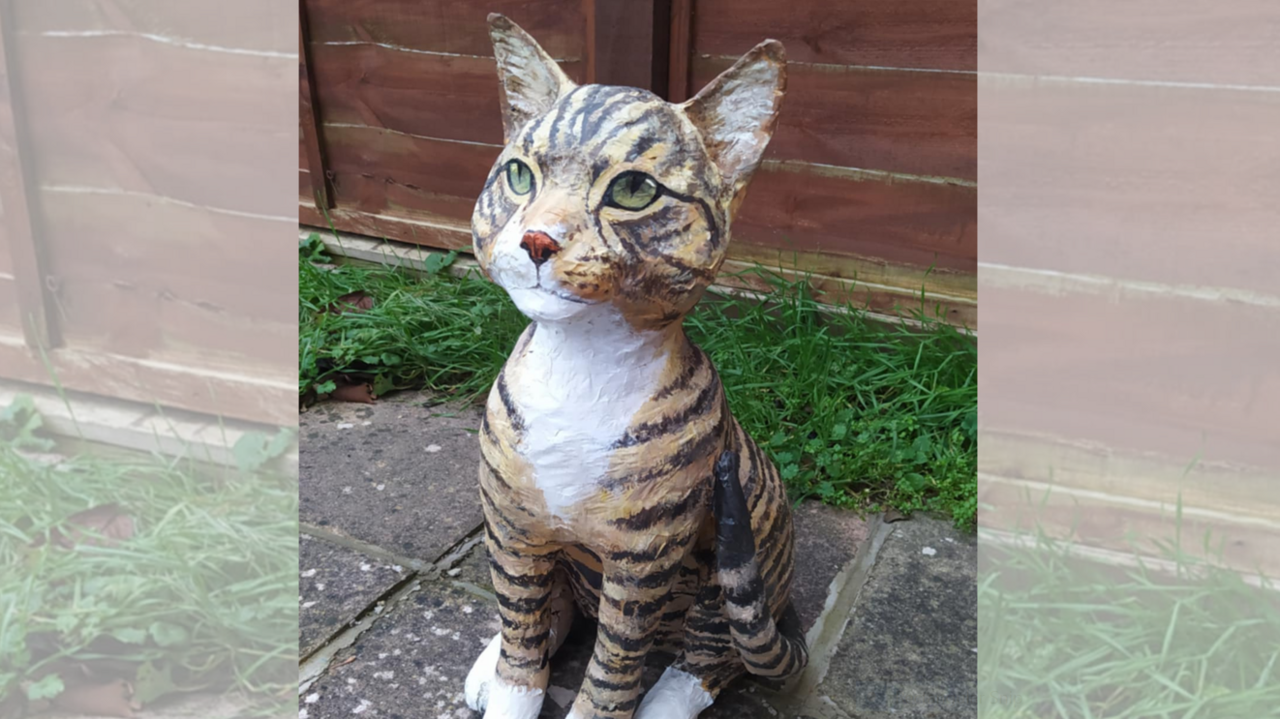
x=483, y=674
x=677, y=695
x=513, y=702
x=485, y=692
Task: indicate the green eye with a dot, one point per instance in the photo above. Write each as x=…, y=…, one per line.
x=632, y=191
x=519, y=177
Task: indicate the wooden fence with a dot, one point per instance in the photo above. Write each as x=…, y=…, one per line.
x=869, y=184
x=1129, y=272
x=137, y=145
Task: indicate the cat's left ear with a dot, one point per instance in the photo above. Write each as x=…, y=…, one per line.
x=530, y=80
x=736, y=113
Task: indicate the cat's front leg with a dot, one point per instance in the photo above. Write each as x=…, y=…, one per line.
x=633, y=596
x=509, y=680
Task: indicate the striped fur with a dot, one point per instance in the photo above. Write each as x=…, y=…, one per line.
x=611, y=463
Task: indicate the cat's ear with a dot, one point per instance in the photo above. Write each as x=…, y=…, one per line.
x=737, y=111
x=530, y=81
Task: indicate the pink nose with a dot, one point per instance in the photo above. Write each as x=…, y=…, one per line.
x=540, y=246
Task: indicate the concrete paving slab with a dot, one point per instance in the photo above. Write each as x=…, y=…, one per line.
x=411, y=663
x=336, y=585
x=827, y=540
x=909, y=649
x=396, y=474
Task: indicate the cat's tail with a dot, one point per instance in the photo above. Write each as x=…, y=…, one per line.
x=768, y=648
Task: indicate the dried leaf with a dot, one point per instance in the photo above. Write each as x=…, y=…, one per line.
x=355, y=392
x=104, y=525
x=352, y=302
x=113, y=699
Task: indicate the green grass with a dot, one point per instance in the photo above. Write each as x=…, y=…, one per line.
x=857, y=413
x=203, y=596
x=1063, y=638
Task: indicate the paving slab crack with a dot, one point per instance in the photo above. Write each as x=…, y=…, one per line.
x=365, y=548
x=314, y=665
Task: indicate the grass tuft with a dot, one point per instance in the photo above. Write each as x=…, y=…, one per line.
x=855, y=412
x=1064, y=638
x=202, y=596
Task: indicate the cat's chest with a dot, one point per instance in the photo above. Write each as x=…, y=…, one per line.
x=576, y=406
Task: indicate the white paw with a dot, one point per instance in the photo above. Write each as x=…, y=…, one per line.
x=677, y=695
x=513, y=702
x=483, y=674
x=498, y=700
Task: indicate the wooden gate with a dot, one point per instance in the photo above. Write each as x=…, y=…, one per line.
x=869, y=184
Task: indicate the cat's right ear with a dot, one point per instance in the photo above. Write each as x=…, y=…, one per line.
x=530, y=80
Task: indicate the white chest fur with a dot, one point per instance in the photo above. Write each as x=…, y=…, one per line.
x=578, y=385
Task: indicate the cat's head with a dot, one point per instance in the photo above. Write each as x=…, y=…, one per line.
x=611, y=195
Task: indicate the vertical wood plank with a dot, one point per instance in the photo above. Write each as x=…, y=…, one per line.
x=589, y=12
x=19, y=195
x=620, y=37
x=312, y=135
x=680, y=50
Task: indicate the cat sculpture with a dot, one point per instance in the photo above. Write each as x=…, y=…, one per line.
x=614, y=481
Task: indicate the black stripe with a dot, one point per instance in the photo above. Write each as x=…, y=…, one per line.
x=658, y=579
x=640, y=146
x=694, y=359
x=688, y=454
x=598, y=95
x=524, y=605
x=706, y=211
x=665, y=511
x=652, y=554
x=592, y=125
x=533, y=641
x=559, y=115
x=626, y=644
x=649, y=431
x=645, y=117
x=513, y=413
x=524, y=581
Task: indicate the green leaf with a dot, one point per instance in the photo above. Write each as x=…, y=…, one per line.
x=255, y=449
x=19, y=422
x=168, y=634
x=839, y=431
x=436, y=262
x=130, y=635
x=389, y=359
x=153, y=682
x=790, y=471
x=326, y=387
x=47, y=688
x=912, y=482
x=382, y=384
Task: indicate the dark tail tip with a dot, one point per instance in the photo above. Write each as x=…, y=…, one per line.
x=736, y=545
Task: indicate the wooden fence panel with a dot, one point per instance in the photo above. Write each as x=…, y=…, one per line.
x=872, y=173
x=927, y=35
x=147, y=208
x=1130, y=398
